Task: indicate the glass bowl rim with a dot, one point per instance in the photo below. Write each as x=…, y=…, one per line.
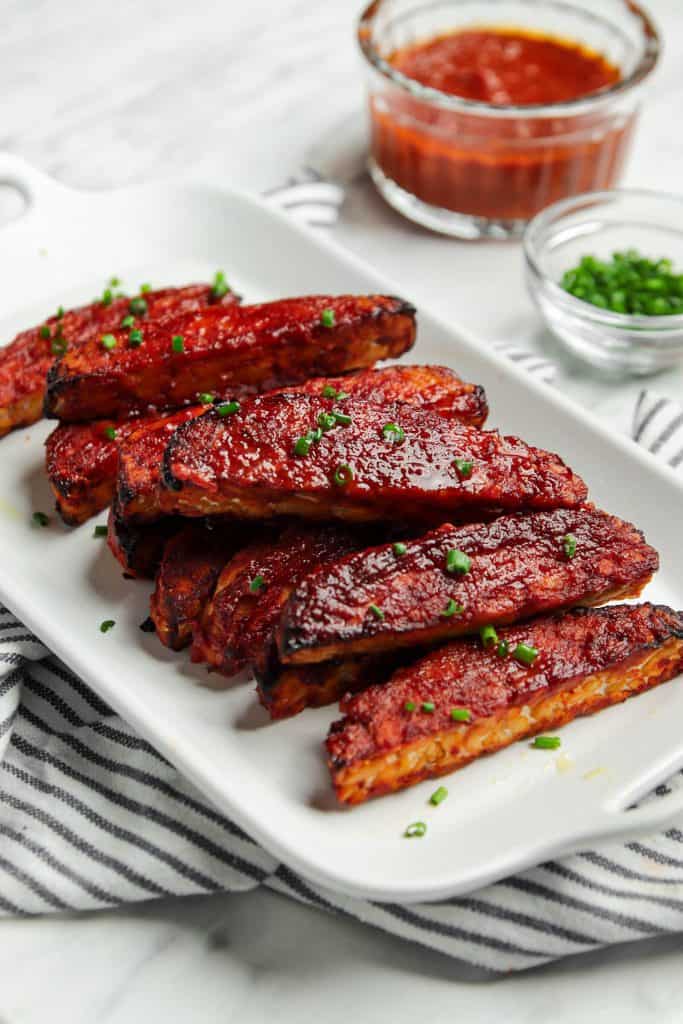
x=535, y=236
x=580, y=105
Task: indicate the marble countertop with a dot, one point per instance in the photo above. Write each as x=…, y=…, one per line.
x=100, y=94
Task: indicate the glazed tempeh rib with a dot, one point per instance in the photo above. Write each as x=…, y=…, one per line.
x=25, y=362
x=138, y=547
x=456, y=579
x=588, y=659
x=190, y=566
x=81, y=458
x=263, y=347
x=369, y=462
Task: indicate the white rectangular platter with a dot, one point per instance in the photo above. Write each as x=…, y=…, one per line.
x=503, y=813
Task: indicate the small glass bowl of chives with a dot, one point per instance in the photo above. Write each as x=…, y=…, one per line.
x=605, y=270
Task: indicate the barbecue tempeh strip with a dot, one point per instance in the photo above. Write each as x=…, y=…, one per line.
x=138, y=547
x=245, y=465
x=25, y=362
x=189, y=568
x=82, y=461
x=589, y=659
x=519, y=567
x=264, y=346
x=239, y=622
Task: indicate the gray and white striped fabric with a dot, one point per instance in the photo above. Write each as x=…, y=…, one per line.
x=92, y=816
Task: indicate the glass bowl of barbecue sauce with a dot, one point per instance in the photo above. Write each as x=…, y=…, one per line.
x=484, y=112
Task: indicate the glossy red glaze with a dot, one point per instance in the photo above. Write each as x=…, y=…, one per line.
x=261, y=347
x=518, y=568
x=245, y=465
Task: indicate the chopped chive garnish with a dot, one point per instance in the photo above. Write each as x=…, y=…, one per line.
x=302, y=446
x=100, y=531
x=45, y=331
x=394, y=432
x=128, y=322
x=114, y=282
x=341, y=395
x=228, y=408
x=489, y=637
x=452, y=608
x=327, y=420
x=525, y=654
x=258, y=583
x=438, y=796
x=377, y=612
x=107, y=297
x=464, y=468
x=342, y=418
x=547, y=742
x=458, y=561
x=135, y=339
x=569, y=545
x=107, y=625
x=503, y=649
x=328, y=391
x=108, y=341
x=144, y=288
x=327, y=318
x=60, y=312
x=428, y=706
x=461, y=715
x=58, y=346
x=110, y=433
x=343, y=475
x=315, y=435
x=220, y=285
x=409, y=705
x=415, y=830
x=399, y=548
x=178, y=343
x=205, y=397
x=137, y=306
x=40, y=519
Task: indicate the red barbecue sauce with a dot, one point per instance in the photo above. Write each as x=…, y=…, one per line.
x=498, y=167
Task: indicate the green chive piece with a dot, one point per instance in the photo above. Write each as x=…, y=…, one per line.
x=110, y=433
x=547, y=742
x=228, y=408
x=377, y=612
x=302, y=446
x=438, y=796
x=205, y=397
x=569, y=545
x=107, y=625
x=144, y=288
x=409, y=705
x=258, y=583
x=328, y=391
x=40, y=519
x=58, y=345
x=315, y=435
x=626, y=283
x=327, y=318
x=60, y=312
x=100, y=531
x=45, y=331
x=135, y=339
x=343, y=475
x=464, y=468
x=452, y=608
x=415, y=830
x=503, y=649
x=458, y=561
x=114, y=282
x=137, y=306
x=108, y=341
x=428, y=706
x=341, y=418
x=327, y=420
x=178, y=343
x=525, y=654
x=220, y=285
x=461, y=715
x=127, y=322
x=107, y=297
x=394, y=432
x=489, y=637
x=399, y=548
x=341, y=395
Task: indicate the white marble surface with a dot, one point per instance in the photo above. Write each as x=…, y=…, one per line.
x=105, y=93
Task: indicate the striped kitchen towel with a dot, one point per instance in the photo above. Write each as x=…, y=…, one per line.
x=92, y=816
